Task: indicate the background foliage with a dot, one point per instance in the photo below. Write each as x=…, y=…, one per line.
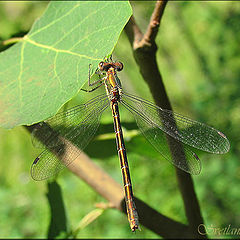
x=199, y=59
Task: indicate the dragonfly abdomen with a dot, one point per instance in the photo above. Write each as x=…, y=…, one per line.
x=130, y=205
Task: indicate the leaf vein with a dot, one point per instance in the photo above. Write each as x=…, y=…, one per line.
x=20, y=74
x=77, y=25
x=26, y=38
x=55, y=21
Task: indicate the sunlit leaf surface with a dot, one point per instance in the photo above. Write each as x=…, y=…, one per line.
x=47, y=68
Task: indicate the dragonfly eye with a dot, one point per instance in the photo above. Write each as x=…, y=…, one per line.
x=118, y=66
x=101, y=66
x=104, y=66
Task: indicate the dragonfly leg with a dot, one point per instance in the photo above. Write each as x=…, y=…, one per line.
x=93, y=89
x=96, y=72
x=100, y=80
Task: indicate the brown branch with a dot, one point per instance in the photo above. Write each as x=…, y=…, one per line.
x=133, y=32
x=144, y=51
x=148, y=38
x=154, y=23
x=108, y=188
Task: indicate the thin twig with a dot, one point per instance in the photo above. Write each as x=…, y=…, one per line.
x=154, y=24
x=148, y=38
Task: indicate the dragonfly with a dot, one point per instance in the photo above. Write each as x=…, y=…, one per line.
x=170, y=133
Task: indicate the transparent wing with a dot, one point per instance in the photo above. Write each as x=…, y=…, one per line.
x=183, y=129
x=43, y=137
x=154, y=122
x=64, y=134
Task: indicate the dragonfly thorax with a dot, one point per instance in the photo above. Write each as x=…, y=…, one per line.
x=112, y=82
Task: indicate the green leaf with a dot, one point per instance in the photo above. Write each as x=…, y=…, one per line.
x=48, y=67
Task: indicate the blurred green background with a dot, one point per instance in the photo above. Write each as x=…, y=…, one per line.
x=198, y=56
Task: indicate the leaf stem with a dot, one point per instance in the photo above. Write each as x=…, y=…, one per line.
x=11, y=41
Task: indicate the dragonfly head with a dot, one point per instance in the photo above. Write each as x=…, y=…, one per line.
x=105, y=66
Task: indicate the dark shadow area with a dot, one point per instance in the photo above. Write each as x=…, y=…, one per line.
x=58, y=222
x=106, y=148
